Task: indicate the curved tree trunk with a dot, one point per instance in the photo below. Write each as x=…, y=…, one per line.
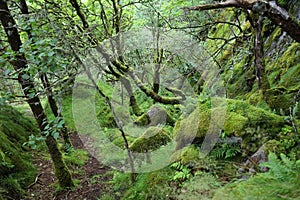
x=19, y=63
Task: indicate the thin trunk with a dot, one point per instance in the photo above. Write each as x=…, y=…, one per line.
x=260, y=73
x=56, y=113
x=19, y=63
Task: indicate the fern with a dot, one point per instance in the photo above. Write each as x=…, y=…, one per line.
x=282, y=169
x=226, y=151
x=182, y=172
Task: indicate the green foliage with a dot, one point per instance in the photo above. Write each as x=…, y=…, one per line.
x=54, y=127
x=280, y=182
x=226, y=151
x=152, y=185
x=254, y=125
x=121, y=181
x=34, y=141
x=107, y=197
x=182, y=172
x=282, y=3
x=76, y=157
x=4, y=162
x=187, y=155
x=283, y=169
x=202, y=186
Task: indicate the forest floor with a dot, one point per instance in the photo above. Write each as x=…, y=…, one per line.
x=92, y=179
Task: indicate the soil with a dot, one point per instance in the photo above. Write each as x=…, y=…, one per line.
x=92, y=180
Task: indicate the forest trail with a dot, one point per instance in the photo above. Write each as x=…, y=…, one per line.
x=91, y=179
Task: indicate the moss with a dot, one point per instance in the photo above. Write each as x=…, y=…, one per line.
x=280, y=182
x=277, y=99
x=193, y=128
x=143, y=120
x=119, y=141
x=291, y=56
x=186, y=155
x=253, y=124
x=76, y=157
x=151, y=139
x=152, y=185
x=234, y=124
x=291, y=78
x=272, y=146
x=257, y=99
x=273, y=37
x=155, y=115
x=16, y=169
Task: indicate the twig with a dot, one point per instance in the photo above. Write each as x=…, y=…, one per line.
x=36, y=180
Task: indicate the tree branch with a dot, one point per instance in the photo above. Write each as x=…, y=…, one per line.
x=275, y=13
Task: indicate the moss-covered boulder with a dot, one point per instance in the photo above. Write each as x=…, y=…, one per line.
x=253, y=124
x=119, y=141
x=151, y=139
x=16, y=169
x=154, y=116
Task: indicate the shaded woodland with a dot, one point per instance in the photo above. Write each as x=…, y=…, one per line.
x=149, y=99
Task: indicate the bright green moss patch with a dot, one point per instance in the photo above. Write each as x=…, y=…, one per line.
x=151, y=139
x=16, y=169
x=253, y=124
x=76, y=157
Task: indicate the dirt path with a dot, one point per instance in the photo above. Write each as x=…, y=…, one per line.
x=92, y=179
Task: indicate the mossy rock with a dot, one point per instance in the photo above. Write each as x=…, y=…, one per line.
x=273, y=146
x=142, y=120
x=193, y=128
x=151, y=139
x=186, y=155
x=119, y=141
x=16, y=169
x=253, y=124
x=156, y=115
x=256, y=98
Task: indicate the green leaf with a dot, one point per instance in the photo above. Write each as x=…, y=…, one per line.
x=25, y=76
x=31, y=95
x=55, y=135
x=51, y=53
x=60, y=124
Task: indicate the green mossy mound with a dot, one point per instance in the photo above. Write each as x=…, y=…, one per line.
x=151, y=139
x=253, y=124
x=154, y=116
x=16, y=169
x=281, y=99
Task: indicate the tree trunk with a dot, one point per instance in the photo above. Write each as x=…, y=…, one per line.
x=132, y=100
x=260, y=73
x=19, y=63
x=54, y=109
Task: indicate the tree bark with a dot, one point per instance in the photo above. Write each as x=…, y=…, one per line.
x=260, y=74
x=19, y=63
